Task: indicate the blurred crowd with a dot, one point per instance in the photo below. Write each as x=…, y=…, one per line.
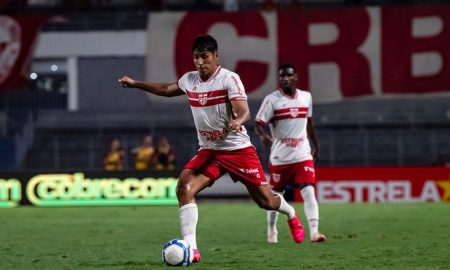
x=145, y=156
x=14, y=6
x=117, y=5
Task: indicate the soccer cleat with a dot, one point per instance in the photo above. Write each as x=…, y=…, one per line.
x=272, y=238
x=297, y=232
x=318, y=237
x=197, y=256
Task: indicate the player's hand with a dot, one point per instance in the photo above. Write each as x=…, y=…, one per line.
x=315, y=154
x=267, y=141
x=235, y=126
x=126, y=81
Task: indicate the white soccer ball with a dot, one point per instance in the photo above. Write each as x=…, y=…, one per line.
x=177, y=253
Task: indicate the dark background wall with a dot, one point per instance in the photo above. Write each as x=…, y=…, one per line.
x=98, y=87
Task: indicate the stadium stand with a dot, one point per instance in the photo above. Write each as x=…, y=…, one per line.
x=349, y=137
x=78, y=140
x=388, y=131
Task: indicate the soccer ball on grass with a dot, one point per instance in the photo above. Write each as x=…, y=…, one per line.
x=177, y=253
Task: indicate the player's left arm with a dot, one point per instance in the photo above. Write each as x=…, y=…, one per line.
x=311, y=130
x=240, y=108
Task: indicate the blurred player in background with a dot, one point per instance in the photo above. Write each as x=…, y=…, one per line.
x=219, y=106
x=288, y=111
x=144, y=155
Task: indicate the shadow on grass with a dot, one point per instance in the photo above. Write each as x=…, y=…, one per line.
x=116, y=264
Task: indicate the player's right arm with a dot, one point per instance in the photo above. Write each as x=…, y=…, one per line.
x=265, y=113
x=265, y=137
x=159, y=89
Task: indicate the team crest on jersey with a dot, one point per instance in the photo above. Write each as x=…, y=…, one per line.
x=276, y=177
x=203, y=98
x=294, y=112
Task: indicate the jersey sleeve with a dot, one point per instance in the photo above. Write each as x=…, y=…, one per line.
x=265, y=112
x=182, y=82
x=235, y=87
x=310, y=107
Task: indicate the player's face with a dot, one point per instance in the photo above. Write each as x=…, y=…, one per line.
x=205, y=62
x=287, y=78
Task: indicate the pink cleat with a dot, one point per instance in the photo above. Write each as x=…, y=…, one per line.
x=297, y=232
x=318, y=237
x=197, y=256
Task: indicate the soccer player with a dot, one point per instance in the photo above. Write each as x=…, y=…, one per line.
x=219, y=106
x=288, y=112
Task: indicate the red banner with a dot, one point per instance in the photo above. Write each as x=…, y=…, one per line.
x=420, y=34
x=17, y=40
x=384, y=184
x=339, y=53
x=298, y=45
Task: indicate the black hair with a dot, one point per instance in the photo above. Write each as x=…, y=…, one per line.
x=205, y=43
x=286, y=66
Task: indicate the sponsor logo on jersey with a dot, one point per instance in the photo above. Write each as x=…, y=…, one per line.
x=213, y=135
x=251, y=171
x=292, y=142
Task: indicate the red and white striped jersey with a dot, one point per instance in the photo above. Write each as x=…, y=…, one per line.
x=287, y=118
x=211, y=108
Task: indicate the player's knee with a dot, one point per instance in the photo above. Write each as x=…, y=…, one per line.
x=184, y=190
x=185, y=187
x=267, y=204
x=181, y=190
x=272, y=205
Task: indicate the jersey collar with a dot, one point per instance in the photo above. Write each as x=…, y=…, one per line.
x=212, y=76
x=289, y=97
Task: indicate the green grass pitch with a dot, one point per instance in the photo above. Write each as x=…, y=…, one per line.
x=231, y=235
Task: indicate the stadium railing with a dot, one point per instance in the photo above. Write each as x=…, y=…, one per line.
x=79, y=140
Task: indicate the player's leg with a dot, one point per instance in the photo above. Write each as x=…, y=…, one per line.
x=311, y=208
x=265, y=199
x=197, y=174
x=243, y=165
x=305, y=179
x=189, y=184
x=280, y=176
x=272, y=220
